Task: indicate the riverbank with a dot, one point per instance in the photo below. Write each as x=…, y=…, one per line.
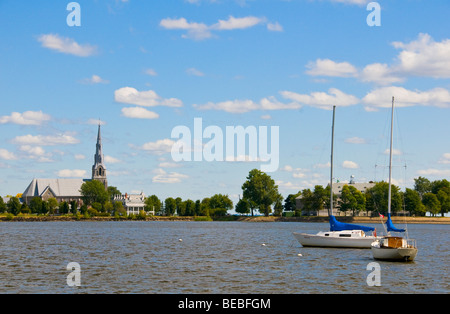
x=312, y=219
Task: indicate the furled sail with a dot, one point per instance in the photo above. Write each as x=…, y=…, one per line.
x=340, y=226
x=390, y=226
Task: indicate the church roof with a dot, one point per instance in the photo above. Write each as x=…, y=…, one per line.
x=59, y=187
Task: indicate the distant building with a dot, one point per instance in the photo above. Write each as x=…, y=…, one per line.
x=337, y=190
x=132, y=203
x=67, y=189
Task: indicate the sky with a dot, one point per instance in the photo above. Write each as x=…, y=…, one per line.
x=144, y=69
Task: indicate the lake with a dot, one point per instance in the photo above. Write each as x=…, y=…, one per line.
x=210, y=258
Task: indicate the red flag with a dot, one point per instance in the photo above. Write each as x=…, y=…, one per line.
x=381, y=216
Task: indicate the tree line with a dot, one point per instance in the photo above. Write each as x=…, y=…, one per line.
x=260, y=193
x=426, y=196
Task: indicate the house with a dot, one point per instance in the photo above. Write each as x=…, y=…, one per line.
x=132, y=203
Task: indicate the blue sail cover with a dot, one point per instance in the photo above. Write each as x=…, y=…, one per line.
x=340, y=226
x=390, y=226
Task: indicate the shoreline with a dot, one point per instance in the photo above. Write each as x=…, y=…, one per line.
x=311, y=219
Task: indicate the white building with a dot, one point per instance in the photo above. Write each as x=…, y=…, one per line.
x=133, y=203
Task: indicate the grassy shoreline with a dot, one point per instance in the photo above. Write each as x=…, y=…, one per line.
x=312, y=219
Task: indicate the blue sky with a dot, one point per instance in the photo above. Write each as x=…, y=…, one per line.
x=145, y=67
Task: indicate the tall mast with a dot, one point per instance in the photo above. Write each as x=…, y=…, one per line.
x=331, y=171
x=390, y=157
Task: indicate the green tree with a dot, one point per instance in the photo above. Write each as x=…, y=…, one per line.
x=36, y=205
x=189, y=208
x=219, y=205
x=351, y=199
x=443, y=195
x=52, y=205
x=377, y=198
x=242, y=206
x=278, y=208
x=431, y=203
x=422, y=185
x=64, y=207
x=2, y=205
x=261, y=189
x=413, y=204
x=118, y=209
x=153, y=203
x=112, y=191
x=13, y=206
x=93, y=191
x=170, y=206
x=290, y=202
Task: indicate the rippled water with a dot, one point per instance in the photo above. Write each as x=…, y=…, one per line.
x=213, y=257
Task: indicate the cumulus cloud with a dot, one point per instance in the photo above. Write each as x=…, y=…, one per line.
x=68, y=173
x=323, y=100
x=201, y=31
x=45, y=140
x=348, y=164
x=327, y=67
x=7, y=155
x=159, y=147
x=95, y=79
x=150, y=98
x=26, y=118
x=66, y=45
x=139, y=113
x=167, y=177
x=381, y=97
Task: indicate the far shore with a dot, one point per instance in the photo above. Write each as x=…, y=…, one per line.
x=313, y=219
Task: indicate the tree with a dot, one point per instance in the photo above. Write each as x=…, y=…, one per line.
x=352, y=199
x=261, y=189
x=14, y=206
x=2, y=205
x=170, y=206
x=306, y=201
x=93, y=191
x=377, y=198
x=112, y=191
x=36, y=205
x=290, y=203
x=64, y=208
x=413, y=204
x=422, y=185
x=152, y=203
x=52, y=205
x=219, y=205
x=443, y=195
x=431, y=203
x=243, y=207
x=278, y=208
x=189, y=208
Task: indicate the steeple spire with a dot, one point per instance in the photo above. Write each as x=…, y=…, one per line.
x=99, y=169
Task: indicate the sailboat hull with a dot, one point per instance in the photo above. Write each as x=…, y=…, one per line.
x=394, y=254
x=335, y=239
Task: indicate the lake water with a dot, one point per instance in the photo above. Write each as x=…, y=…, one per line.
x=213, y=257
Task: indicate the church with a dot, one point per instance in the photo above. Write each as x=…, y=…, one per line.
x=67, y=189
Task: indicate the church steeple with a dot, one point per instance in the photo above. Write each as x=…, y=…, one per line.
x=99, y=169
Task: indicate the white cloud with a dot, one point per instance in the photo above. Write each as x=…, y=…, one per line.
x=95, y=79
x=327, y=67
x=47, y=140
x=139, y=113
x=96, y=122
x=26, y=118
x=159, y=147
x=424, y=57
x=201, y=31
x=237, y=23
x=164, y=177
x=445, y=159
x=167, y=164
x=274, y=27
x=380, y=74
x=129, y=95
x=382, y=97
x=7, y=155
x=194, y=72
x=323, y=100
x=434, y=172
x=79, y=157
x=66, y=45
x=350, y=164
x=112, y=160
x=67, y=173
x=355, y=140
x=150, y=72
x=36, y=152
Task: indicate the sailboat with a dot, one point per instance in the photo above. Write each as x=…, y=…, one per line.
x=341, y=235
x=392, y=247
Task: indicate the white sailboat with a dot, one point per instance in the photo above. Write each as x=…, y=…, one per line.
x=392, y=247
x=341, y=235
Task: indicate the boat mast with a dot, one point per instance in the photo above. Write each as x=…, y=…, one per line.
x=390, y=157
x=331, y=171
